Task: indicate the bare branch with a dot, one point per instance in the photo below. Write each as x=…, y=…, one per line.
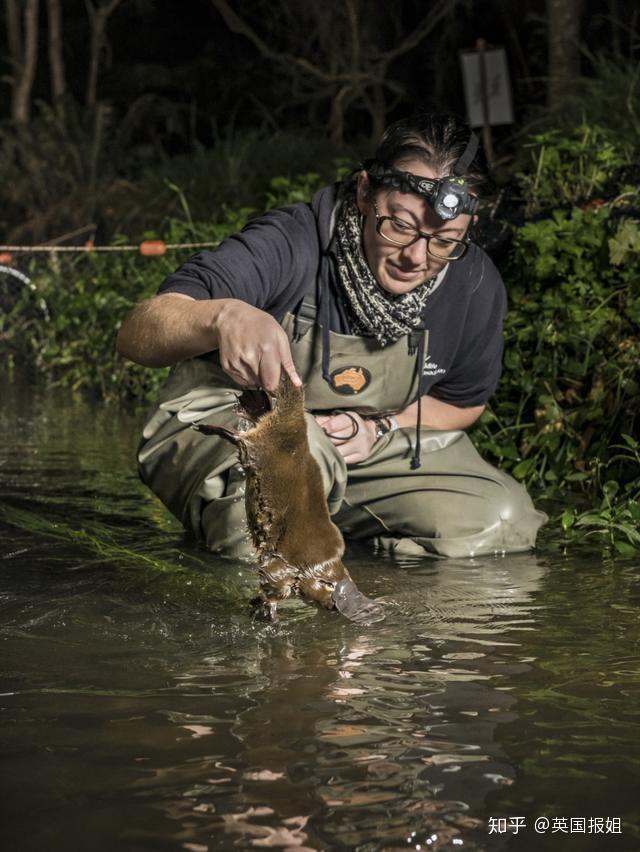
x=104, y=10
x=56, y=62
x=331, y=51
x=428, y=24
x=98, y=16
x=25, y=72
x=14, y=34
x=237, y=25
x=354, y=29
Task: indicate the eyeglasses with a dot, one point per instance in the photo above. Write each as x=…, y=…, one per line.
x=402, y=233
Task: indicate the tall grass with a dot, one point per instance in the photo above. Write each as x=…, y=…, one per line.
x=609, y=97
x=73, y=167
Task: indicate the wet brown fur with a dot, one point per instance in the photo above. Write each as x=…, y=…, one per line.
x=299, y=547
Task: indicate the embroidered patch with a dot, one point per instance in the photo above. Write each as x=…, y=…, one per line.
x=350, y=380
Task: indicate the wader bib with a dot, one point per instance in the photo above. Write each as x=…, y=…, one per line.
x=454, y=505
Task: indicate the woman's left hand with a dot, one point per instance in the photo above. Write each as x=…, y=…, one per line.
x=352, y=435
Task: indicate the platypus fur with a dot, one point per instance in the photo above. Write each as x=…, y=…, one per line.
x=298, y=546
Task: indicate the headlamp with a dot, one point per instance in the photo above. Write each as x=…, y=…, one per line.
x=449, y=196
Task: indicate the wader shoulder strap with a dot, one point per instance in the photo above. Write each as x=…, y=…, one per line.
x=413, y=341
x=305, y=316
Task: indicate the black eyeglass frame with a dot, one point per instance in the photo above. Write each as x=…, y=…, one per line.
x=419, y=235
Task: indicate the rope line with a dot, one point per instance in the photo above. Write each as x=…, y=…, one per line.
x=147, y=246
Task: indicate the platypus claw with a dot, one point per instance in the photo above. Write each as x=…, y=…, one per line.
x=263, y=610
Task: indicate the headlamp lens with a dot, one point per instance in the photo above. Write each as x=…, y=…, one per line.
x=446, y=206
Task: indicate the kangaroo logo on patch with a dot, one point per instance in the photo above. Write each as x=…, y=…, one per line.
x=350, y=380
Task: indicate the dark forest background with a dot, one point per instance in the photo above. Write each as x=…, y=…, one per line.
x=106, y=99
x=207, y=63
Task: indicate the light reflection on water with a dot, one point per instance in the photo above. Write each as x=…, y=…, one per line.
x=141, y=709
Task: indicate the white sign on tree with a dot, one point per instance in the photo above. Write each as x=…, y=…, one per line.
x=487, y=90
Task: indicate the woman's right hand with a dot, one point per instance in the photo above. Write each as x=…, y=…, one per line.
x=253, y=346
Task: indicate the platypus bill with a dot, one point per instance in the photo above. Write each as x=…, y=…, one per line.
x=299, y=547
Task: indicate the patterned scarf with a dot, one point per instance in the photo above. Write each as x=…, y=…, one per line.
x=373, y=311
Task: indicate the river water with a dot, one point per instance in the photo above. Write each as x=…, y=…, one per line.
x=141, y=708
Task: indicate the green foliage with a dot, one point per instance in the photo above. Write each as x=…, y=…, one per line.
x=624, y=245
x=286, y=190
x=566, y=168
x=570, y=384
x=301, y=187
x=87, y=296
x=72, y=340
x=616, y=521
x=233, y=175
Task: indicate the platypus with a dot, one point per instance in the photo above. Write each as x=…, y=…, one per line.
x=299, y=548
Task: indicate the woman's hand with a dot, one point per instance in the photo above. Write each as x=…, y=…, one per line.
x=351, y=434
x=172, y=327
x=253, y=347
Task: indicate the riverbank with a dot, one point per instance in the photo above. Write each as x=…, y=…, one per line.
x=566, y=416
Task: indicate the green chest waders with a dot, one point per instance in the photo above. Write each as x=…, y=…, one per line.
x=455, y=504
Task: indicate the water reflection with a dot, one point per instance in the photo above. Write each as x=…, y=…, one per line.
x=341, y=728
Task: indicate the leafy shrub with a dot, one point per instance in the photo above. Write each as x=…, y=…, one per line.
x=88, y=295
x=567, y=168
x=570, y=389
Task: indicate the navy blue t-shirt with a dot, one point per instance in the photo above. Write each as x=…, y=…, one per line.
x=285, y=253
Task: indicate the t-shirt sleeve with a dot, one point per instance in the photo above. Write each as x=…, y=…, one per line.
x=477, y=366
x=264, y=265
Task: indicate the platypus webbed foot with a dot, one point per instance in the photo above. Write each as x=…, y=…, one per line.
x=350, y=602
x=263, y=609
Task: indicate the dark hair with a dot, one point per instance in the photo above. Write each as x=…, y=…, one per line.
x=438, y=140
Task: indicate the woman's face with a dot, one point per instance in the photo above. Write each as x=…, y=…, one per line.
x=400, y=269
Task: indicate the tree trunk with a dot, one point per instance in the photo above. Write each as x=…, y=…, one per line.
x=14, y=33
x=56, y=63
x=377, y=109
x=94, y=58
x=336, y=116
x=98, y=16
x=563, y=42
x=23, y=49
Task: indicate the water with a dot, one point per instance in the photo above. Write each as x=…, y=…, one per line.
x=141, y=709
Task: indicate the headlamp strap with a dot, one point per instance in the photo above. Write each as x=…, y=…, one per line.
x=462, y=166
x=404, y=181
